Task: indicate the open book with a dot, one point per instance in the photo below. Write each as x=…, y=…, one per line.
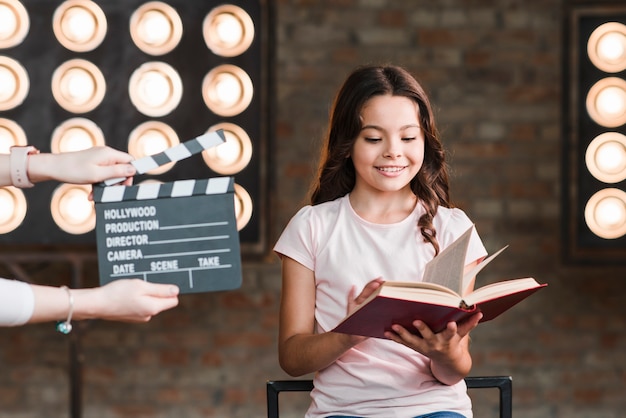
x=437, y=300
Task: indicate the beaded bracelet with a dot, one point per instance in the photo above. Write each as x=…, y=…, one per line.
x=65, y=327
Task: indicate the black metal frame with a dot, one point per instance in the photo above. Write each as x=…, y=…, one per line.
x=580, y=246
x=503, y=383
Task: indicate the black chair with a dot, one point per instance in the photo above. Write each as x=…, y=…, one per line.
x=503, y=383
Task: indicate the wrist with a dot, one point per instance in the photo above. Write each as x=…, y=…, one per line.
x=65, y=327
x=89, y=303
x=43, y=167
x=19, y=165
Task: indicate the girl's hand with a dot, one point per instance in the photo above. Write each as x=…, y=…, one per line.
x=448, y=350
x=441, y=346
x=354, y=302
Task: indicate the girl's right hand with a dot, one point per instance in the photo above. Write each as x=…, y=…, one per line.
x=354, y=302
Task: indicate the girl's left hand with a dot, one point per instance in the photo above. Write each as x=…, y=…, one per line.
x=441, y=346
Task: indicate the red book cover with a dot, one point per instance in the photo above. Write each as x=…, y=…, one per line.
x=378, y=315
x=494, y=307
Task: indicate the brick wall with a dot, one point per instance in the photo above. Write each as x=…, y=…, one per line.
x=492, y=68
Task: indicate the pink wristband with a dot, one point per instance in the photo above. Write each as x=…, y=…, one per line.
x=18, y=163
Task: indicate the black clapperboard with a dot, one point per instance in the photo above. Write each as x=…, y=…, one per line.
x=182, y=232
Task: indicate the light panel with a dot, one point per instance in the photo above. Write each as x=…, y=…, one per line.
x=594, y=127
x=14, y=23
x=79, y=25
x=94, y=81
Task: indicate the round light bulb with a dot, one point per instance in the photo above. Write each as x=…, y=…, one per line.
x=605, y=213
x=155, y=28
x=8, y=84
x=228, y=29
x=155, y=88
x=611, y=157
x=8, y=22
x=612, y=101
x=79, y=24
x=611, y=46
x=71, y=208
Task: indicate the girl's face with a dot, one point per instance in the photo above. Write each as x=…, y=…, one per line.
x=389, y=150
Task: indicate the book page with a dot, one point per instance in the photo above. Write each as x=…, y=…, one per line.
x=421, y=292
x=499, y=289
x=447, y=267
x=473, y=272
x=403, y=288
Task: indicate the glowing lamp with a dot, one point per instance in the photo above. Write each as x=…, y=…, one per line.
x=72, y=210
x=14, y=83
x=228, y=30
x=606, y=47
x=14, y=23
x=156, y=28
x=76, y=134
x=605, y=213
x=150, y=138
x=79, y=25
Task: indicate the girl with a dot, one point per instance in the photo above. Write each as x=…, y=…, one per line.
x=379, y=210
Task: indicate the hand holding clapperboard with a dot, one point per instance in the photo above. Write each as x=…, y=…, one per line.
x=183, y=232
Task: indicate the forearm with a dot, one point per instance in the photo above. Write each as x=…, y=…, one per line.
x=23, y=303
x=301, y=354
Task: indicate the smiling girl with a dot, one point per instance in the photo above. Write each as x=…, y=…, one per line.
x=379, y=211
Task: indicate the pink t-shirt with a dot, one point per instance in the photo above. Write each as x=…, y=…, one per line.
x=376, y=378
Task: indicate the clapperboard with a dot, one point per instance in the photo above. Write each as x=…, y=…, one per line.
x=182, y=232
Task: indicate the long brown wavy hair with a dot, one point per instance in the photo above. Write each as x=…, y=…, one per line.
x=336, y=174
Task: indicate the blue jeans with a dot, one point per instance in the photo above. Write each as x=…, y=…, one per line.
x=442, y=414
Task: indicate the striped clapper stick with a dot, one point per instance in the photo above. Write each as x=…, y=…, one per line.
x=183, y=232
x=174, y=154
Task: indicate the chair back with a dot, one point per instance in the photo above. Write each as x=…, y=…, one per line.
x=503, y=383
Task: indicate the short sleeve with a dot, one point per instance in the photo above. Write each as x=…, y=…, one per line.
x=17, y=302
x=296, y=241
